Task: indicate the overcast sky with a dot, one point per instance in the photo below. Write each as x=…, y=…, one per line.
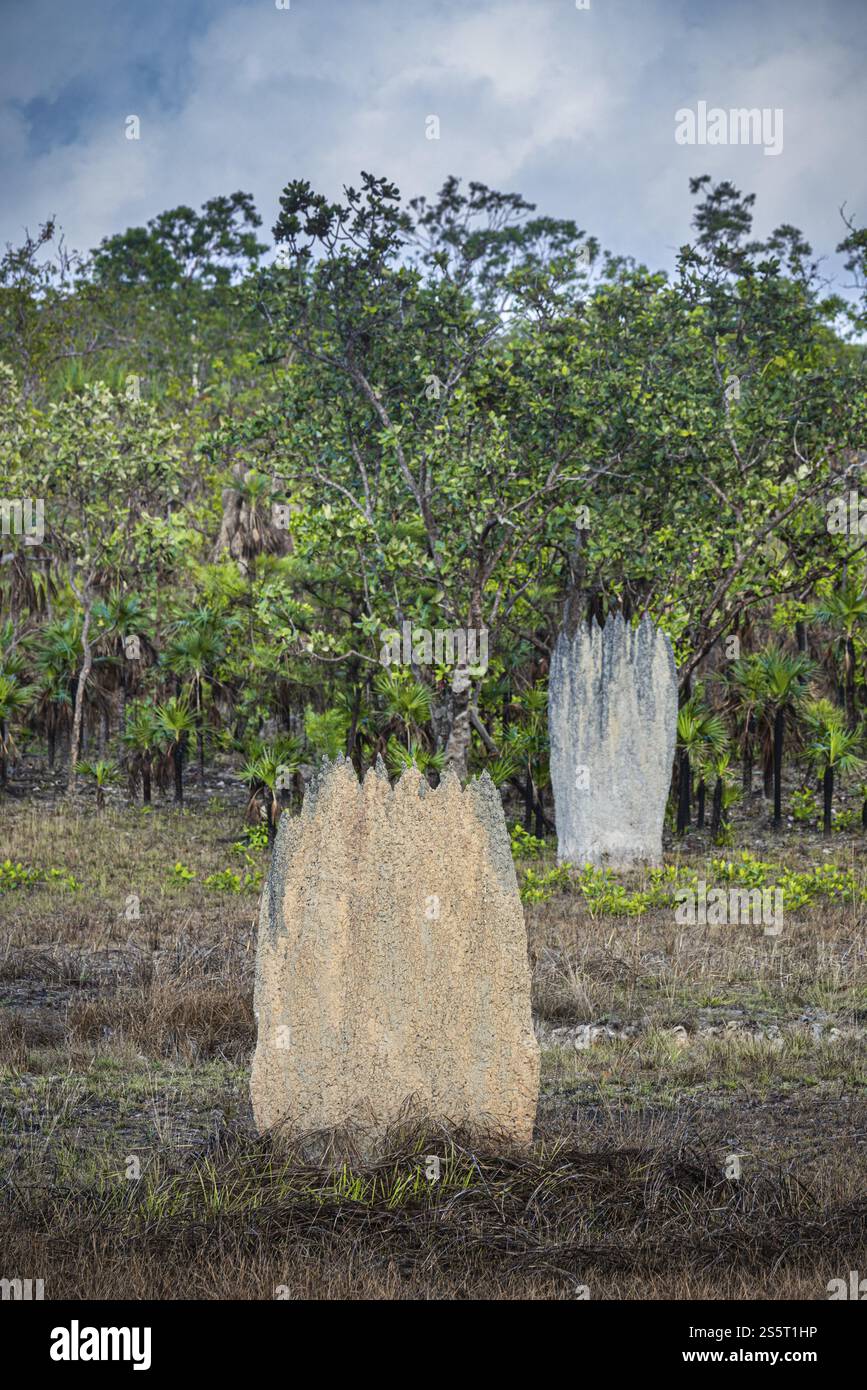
x=573, y=108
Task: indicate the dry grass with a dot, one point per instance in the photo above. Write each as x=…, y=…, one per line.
x=130, y=1038
x=244, y=1217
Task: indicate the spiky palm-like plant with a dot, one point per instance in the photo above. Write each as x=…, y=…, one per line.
x=831, y=749
x=103, y=773
x=745, y=694
x=12, y=658
x=123, y=621
x=784, y=683
x=142, y=737
x=196, y=651
x=176, y=722
x=405, y=701
x=14, y=699
x=326, y=733
x=724, y=793
x=502, y=769
x=52, y=706
x=398, y=758
x=271, y=773
x=845, y=610
x=526, y=745
x=701, y=735
x=57, y=661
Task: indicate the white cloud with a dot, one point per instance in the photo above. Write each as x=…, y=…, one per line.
x=575, y=109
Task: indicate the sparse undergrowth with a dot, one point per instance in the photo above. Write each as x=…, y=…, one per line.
x=434, y=1214
x=667, y=1049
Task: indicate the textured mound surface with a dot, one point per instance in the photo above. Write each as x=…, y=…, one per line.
x=392, y=961
x=612, y=719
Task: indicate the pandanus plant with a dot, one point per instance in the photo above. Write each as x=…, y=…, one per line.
x=124, y=627
x=102, y=773
x=14, y=699
x=176, y=723
x=326, y=733
x=52, y=706
x=398, y=758
x=195, y=653
x=14, y=694
x=57, y=661
x=525, y=747
x=271, y=775
x=725, y=794
x=407, y=703
x=831, y=749
x=745, y=701
x=142, y=739
x=701, y=736
x=784, y=681
x=845, y=610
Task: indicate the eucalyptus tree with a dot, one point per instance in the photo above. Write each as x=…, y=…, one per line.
x=773, y=414
x=169, y=287
x=423, y=441
x=50, y=318
x=104, y=466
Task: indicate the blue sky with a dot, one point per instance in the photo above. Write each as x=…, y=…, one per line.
x=573, y=108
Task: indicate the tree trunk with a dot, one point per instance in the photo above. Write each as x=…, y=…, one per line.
x=529, y=799
x=540, y=815
x=458, y=746
x=851, y=703
x=779, y=720
x=200, y=738
x=747, y=782
x=828, y=799
x=576, y=597
x=702, y=792
x=146, y=780
x=51, y=736
x=354, y=675
x=683, y=797
x=80, y=686
x=716, y=809
x=178, y=765
x=4, y=772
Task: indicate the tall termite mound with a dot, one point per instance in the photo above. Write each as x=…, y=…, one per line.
x=392, y=969
x=612, y=720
